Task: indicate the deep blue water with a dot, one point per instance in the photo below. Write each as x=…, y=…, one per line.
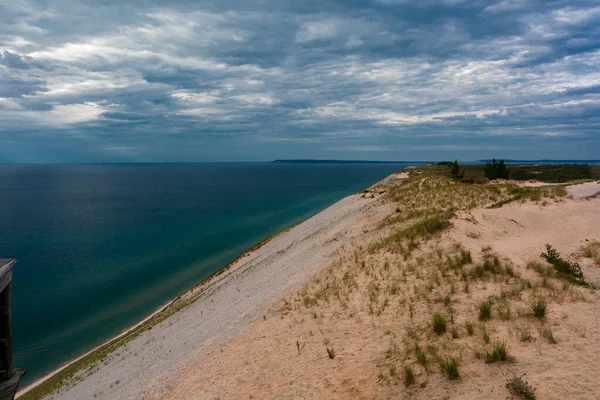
x=99, y=247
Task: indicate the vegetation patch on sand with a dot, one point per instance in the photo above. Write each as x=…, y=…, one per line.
x=552, y=173
x=592, y=250
x=426, y=296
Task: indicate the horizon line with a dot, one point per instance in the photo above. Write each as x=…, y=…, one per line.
x=296, y=160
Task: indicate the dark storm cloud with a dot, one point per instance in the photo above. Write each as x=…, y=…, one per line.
x=168, y=81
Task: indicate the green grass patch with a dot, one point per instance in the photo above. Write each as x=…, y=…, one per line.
x=485, y=310
x=421, y=357
x=552, y=173
x=546, y=333
x=409, y=376
x=423, y=229
x=439, y=324
x=555, y=173
x=449, y=367
x=497, y=353
x=485, y=335
x=538, y=308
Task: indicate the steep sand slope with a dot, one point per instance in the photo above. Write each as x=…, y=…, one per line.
x=231, y=301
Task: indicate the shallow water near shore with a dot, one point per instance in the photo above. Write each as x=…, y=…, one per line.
x=101, y=246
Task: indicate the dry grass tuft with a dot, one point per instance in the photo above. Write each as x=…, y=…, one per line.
x=592, y=250
x=519, y=387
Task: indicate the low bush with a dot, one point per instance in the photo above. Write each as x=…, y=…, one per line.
x=519, y=387
x=563, y=267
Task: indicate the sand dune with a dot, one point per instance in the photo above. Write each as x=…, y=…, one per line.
x=341, y=305
x=265, y=362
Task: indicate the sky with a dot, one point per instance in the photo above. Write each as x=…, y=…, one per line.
x=256, y=80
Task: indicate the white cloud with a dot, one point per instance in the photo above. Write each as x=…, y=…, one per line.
x=9, y=104
x=318, y=30
x=506, y=5
x=188, y=97
x=60, y=115
x=261, y=99
x=74, y=113
x=576, y=16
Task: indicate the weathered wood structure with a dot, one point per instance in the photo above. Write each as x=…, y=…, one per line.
x=9, y=377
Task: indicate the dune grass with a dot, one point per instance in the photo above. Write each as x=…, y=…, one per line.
x=538, y=308
x=409, y=376
x=519, y=387
x=592, y=250
x=439, y=324
x=449, y=367
x=485, y=310
x=415, y=286
x=497, y=353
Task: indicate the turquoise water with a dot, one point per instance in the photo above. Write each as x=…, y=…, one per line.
x=99, y=247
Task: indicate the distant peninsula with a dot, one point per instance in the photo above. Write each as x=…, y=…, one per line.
x=310, y=161
x=509, y=161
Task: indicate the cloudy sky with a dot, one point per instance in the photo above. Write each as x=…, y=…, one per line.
x=247, y=80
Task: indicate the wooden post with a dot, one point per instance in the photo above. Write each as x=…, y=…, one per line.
x=5, y=335
x=9, y=377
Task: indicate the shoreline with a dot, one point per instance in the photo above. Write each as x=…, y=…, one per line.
x=200, y=286
x=67, y=371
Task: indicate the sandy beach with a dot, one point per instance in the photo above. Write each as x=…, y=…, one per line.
x=340, y=306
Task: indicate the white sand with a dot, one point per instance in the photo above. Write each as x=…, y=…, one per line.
x=233, y=300
x=529, y=183
x=588, y=189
